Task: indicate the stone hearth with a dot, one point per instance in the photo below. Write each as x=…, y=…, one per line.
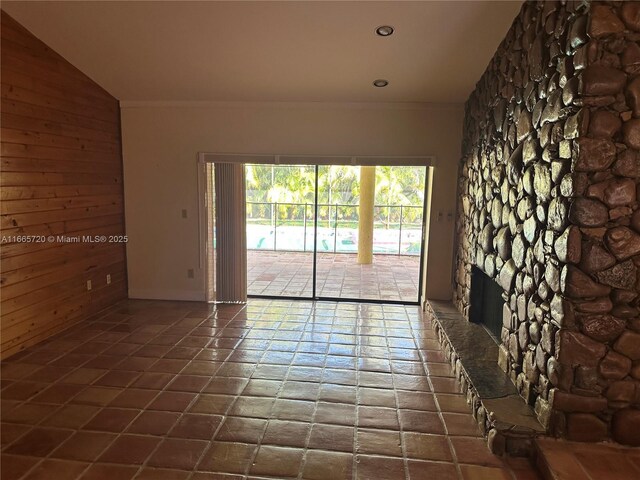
x=509, y=425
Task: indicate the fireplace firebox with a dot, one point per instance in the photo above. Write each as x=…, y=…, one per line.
x=486, y=303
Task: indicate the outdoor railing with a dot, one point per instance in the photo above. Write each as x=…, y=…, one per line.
x=285, y=226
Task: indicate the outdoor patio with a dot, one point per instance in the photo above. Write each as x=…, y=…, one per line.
x=390, y=277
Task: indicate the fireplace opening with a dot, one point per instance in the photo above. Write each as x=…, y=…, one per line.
x=486, y=303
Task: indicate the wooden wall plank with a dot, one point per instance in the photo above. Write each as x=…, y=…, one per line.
x=22, y=313
x=14, y=164
x=51, y=115
x=13, y=92
x=61, y=174
x=55, y=191
x=19, y=282
x=37, y=218
x=27, y=121
x=58, y=289
x=28, y=179
x=37, y=151
x=32, y=137
x=52, y=204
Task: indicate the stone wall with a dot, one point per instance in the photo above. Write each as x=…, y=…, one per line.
x=599, y=395
x=548, y=208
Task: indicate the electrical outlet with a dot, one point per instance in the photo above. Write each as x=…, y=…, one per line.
x=88, y=285
x=108, y=279
x=190, y=273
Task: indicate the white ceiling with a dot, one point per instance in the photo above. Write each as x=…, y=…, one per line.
x=274, y=51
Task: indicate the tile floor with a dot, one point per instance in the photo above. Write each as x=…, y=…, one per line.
x=275, y=389
x=563, y=460
x=389, y=277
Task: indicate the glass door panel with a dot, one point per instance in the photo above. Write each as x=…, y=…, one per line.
x=393, y=274
x=280, y=230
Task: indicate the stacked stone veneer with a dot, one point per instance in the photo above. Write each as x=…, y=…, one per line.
x=549, y=187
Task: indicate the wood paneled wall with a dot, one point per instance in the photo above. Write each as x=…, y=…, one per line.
x=61, y=175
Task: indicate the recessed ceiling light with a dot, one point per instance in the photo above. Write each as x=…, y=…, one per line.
x=380, y=83
x=384, y=30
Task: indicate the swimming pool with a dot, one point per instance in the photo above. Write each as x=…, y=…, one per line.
x=339, y=240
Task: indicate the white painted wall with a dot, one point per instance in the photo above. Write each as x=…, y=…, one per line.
x=160, y=146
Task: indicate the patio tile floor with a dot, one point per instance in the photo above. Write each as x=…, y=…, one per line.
x=389, y=277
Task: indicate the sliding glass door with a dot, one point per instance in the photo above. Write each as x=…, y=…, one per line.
x=335, y=232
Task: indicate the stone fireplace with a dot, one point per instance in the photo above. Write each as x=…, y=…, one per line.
x=549, y=185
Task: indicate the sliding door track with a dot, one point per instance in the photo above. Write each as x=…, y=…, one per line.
x=335, y=299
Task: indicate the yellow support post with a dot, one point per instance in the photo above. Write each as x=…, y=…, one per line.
x=365, y=220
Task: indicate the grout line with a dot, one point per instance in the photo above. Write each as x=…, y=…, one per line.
x=317, y=400
x=268, y=419
x=358, y=343
x=454, y=455
x=403, y=446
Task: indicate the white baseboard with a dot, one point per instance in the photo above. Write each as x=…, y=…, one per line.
x=181, y=295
